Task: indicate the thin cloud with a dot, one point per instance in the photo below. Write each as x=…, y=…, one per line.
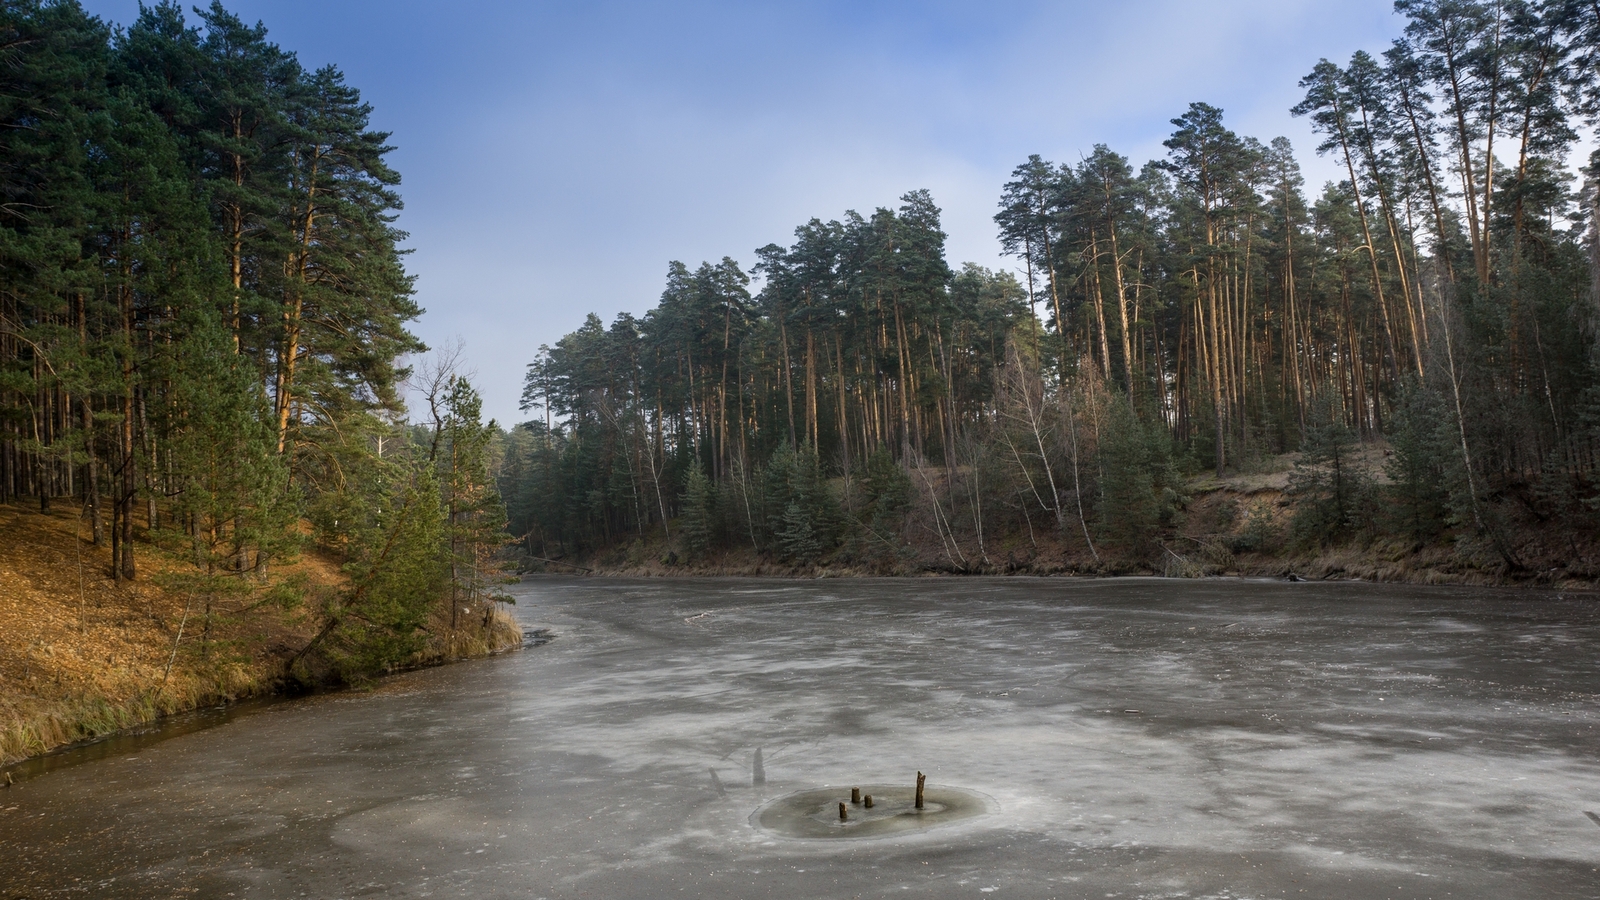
x=556, y=156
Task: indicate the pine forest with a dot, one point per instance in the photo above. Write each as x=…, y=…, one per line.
x=203, y=332
x=1195, y=365
x=1403, y=361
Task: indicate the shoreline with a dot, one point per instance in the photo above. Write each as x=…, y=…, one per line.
x=83, y=656
x=156, y=727
x=69, y=722
x=1330, y=568
x=135, y=725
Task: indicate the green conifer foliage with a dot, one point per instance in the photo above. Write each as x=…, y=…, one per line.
x=236, y=511
x=1207, y=291
x=400, y=569
x=236, y=506
x=803, y=516
x=699, y=508
x=1331, y=492
x=797, y=539
x=885, y=492
x=1421, y=467
x=777, y=490
x=1141, y=489
x=203, y=319
x=475, y=515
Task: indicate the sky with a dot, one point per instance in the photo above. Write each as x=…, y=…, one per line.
x=557, y=156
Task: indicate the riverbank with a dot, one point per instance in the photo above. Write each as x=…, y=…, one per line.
x=1237, y=525
x=1386, y=564
x=83, y=656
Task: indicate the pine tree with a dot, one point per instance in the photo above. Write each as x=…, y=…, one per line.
x=699, y=506
x=236, y=510
x=475, y=515
x=1141, y=489
x=885, y=500
x=797, y=540
x=400, y=571
x=1419, y=469
x=1329, y=488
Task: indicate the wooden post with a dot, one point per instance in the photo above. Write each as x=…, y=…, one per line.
x=844, y=813
x=921, y=780
x=855, y=795
x=868, y=802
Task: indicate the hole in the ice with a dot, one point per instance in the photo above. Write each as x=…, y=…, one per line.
x=815, y=813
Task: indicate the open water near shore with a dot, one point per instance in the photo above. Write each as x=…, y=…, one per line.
x=1131, y=738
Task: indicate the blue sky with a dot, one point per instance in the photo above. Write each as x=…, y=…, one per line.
x=556, y=156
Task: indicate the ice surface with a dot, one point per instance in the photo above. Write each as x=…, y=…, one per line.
x=814, y=814
x=1134, y=738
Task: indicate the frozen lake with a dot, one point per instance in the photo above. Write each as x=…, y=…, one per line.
x=1131, y=738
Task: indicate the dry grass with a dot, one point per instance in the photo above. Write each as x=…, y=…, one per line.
x=499, y=633
x=82, y=656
